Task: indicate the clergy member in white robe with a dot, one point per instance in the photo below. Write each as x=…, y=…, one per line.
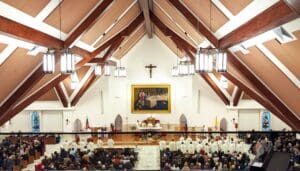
x=172, y=146
x=162, y=145
x=182, y=147
x=214, y=147
x=110, y=143
x=199, y=146
x=100, y=143
x=191, y=148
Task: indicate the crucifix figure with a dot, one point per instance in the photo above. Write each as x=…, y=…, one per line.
x=150, y=67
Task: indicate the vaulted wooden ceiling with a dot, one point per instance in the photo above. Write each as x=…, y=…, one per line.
x=260, y=66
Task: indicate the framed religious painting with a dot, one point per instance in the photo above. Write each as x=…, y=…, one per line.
x=152, y=98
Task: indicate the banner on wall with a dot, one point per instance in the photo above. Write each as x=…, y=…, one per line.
x=35, y=121
x=266, y=121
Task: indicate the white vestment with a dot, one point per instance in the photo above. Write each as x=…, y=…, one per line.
x=162, y=145
x=191, y=148
x=172, y=146
x=110, y=143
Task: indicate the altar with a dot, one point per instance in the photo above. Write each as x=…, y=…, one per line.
x=149, y=124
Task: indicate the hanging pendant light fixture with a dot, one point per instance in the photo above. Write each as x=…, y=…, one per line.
x=221, y=61
x=98, y=70
x=206, y=57
x=49, y=62
x=107, y=69
x=67, y=62
x=120, y=71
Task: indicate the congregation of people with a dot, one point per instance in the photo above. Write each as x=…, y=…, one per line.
x=12, y=153
x=89, y=156
x=206, y=153
x=289, y=143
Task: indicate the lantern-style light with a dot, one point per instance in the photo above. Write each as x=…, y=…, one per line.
x=68, y=61
x=49, y=62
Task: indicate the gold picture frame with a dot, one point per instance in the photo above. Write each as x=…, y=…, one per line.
x=150, y=98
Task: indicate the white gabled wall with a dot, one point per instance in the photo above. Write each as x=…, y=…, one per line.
x=117, y=91
x=200, y=108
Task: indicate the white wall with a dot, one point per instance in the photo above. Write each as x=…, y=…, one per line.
x=117, y=91
x=50, y=121
x=249, y=119
x=117, y=98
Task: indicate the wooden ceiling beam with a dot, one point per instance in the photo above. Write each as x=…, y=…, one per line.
x=237, y=97
x=294, y=4
x=261, y=87
x=189, y=50
x=87, y=23
x=34, y=78
x=23, y=104
x=38, y=74
x=236, y=63
x=83, y=89
x=278, y=14
x=201, y=28
x=20, y=31
x=263, y=101
x=145, y=7
x=126, y=32
x=61, y=95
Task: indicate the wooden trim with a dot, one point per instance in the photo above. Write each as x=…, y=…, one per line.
x=168, y=32
x=237, y=97
x=261, y=87
x=216, y=89
x=127, y=31
x=145, y=7
x=201, y=28
x=87, y=23
x=83, y=89
x=294, y=4
x=112, y=49
x=61, y=95
x=263, y=101
x=22, y=105
x=34, y=78
x=19, y=31
x=274, y=16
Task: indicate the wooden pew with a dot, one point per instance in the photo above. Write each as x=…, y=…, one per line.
x=37, y=155
x=24, y=163
x=31, y=159
x=16, y=168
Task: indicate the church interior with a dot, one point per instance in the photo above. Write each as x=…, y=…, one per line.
x=150, y=85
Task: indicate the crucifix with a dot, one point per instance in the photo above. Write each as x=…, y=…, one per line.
x=150, y=67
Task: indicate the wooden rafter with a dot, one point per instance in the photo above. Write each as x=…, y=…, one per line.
x=195, y=22
x=61, y=95
x=185, y=46
x=23, y=104
x=146, y=7
x=37, y=75
x=125, y=32
x=237, y=97
x=20, y=31
x=87, y=23
x=263, y=89
x=288, y=114
x=34, y=78
x=263, y=101
x=274, y=16
x=83, y=89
